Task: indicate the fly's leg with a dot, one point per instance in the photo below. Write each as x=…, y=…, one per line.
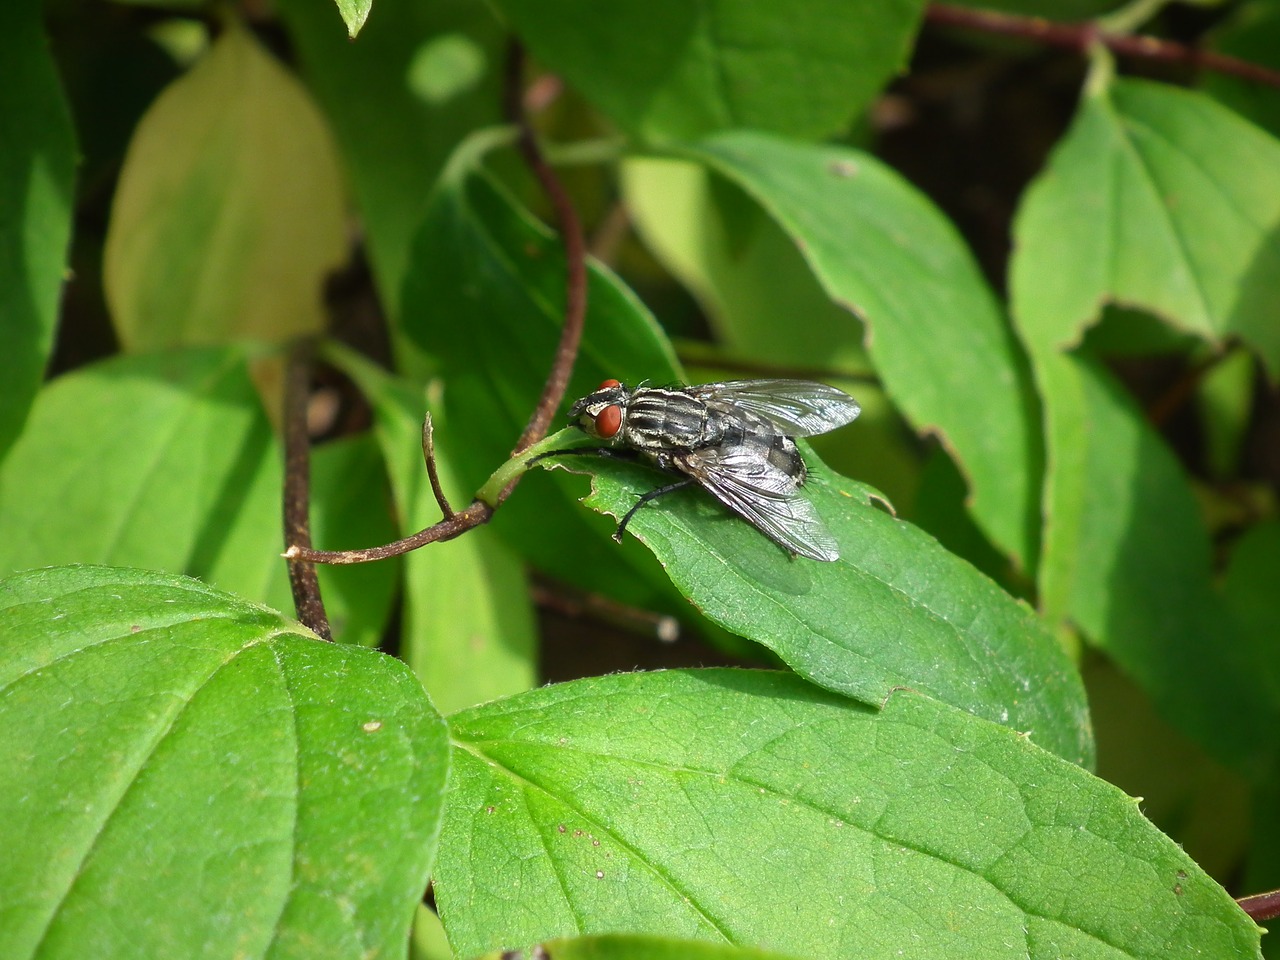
x=651, y=495
x=609, y=453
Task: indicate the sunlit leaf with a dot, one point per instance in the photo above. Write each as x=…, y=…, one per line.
x=354, y=13
x=896, y=610
x=1158, y=198
x=667, y=69
x=229, y=212
x=200, y=776
x=664, y=803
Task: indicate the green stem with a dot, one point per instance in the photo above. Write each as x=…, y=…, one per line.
x=491, y=492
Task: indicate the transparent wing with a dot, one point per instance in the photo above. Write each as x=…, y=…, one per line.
x=798, y=408
x=765, y=496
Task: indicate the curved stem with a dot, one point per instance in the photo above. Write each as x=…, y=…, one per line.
x=1079, y=37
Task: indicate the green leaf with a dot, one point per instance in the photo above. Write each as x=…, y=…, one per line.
x=229, y=212
x=630, y=947
x=1162, y=199
x=201, y=776
x=485, y=297
x=1141, y=205
x=1127, y=559
x=936, y=333
x=1250, y=593
x=394, y=142
x=168, y=461
x=140, y=460
x=897, y=610
x=354, y=13
x=469, y=632
x=665, y=803
x=671, y=70
x=37, y=171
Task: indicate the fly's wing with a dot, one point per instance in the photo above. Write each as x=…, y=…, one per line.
x=798, y=408
x=768, y=498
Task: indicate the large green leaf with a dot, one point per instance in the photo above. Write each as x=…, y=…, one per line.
x=668, y=69
x=229, y=212
x=935, y=331
x=752, y=808
x=394, y=141
x=167, y=461
x=469, y=632
x=136, y=461
x=897, y=610
x=37, y=168
x=193, y=775
x=1161, y=199
x=1158, y=198
x=485, y=296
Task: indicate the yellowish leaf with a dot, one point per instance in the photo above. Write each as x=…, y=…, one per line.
x=229, y=211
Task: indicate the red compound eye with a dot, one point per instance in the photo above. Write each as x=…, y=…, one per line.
x=607, y=384
x=609, y=420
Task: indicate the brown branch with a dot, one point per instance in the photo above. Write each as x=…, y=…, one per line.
x=575, y=255
x=1078, y=37
x=1163, y=407
x=297, y=490
x=473, y=515
x=1261, y=906
x=575, y=311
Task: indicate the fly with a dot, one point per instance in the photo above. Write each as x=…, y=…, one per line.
x=735, y=439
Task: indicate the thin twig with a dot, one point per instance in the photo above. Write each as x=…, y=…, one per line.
x=1168, y=403
x=1079, y=37
x=297, y=490
x=1261, y=906
x=575, y=254
x=574, y=603
x=575, y=310
x=475, y=513
x=429, y=455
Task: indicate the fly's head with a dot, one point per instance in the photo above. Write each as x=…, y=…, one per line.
x=600, y=414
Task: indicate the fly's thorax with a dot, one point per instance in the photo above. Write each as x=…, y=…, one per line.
x=663, y=420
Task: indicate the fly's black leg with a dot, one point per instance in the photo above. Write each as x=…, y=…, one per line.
x=609, y=453
x=651, y=495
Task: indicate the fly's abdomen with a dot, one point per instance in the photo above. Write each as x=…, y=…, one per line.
x=664, y=420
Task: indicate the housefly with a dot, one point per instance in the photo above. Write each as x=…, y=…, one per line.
x=735, y=439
